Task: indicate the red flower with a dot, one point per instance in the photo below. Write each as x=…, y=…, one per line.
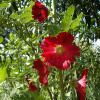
x=39, y=12
x=42, y=71
x=81, y=86
x=32, y=87
x=60, y=51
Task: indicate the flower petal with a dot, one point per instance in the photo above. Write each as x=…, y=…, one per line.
x=81, y=85
x=65, y=38
x=42, y=71
x=32, y=87
x=39, y=12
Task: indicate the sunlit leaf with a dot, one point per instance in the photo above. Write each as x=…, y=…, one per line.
x=3, y=74
x=3, y=4
x=66, y=21
x=14, y=16
x=76, y=22
x=12, y=36
x=1, y=39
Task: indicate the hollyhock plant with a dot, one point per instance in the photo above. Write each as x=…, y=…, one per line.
x=81, y=86
x=60, y=51
x=39, y=12
x=42, y=71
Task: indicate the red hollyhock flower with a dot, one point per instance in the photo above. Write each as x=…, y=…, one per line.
x=39, y=12
x=60, y=51
x=32, y=87
x=42, y=71
x=81, y=86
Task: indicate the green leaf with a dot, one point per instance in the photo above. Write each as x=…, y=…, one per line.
x=12, y=36
x=4, y=5
x=66, y=21
x=3, y=74
x=1, y=39
x=76, y=22
x=14, y=16
x=25, y=16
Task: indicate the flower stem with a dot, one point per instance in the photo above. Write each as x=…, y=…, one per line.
x=61, y=83
x=54, y=9
x=50, y=94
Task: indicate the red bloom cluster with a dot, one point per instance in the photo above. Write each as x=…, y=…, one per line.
x=42, y=71
x=60, y=51
x=81, y=85
x=39, y=12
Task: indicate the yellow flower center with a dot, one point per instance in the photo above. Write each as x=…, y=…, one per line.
x=59, y=49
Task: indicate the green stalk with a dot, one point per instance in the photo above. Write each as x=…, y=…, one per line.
x=50, y=94
x=61, y=83
x=54, y=9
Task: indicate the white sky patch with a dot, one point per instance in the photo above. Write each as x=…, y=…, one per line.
x=97, y=43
